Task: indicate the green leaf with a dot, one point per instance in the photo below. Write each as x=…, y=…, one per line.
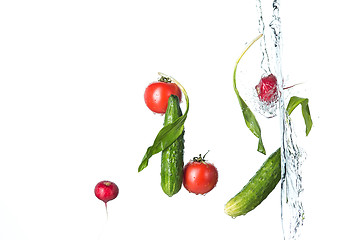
x=293, y=103
x=168, y=134
x=249, y=117
x=251, y=122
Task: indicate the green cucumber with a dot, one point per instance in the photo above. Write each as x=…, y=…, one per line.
x=258, y=188
x=172, y=157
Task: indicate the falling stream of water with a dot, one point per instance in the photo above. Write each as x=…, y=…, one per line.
x=292, y=156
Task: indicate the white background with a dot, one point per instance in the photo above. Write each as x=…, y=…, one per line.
x=72, y=78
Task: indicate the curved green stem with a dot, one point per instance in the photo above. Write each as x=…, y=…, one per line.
x=249, y=117
x=237, y=62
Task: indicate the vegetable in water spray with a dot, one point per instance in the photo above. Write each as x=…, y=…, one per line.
x=267, y=89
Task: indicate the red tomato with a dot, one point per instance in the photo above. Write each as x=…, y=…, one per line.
x=157, y=95
x=200, y=177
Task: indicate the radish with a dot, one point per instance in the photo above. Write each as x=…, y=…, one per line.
x=267, y=89
x=106, y=191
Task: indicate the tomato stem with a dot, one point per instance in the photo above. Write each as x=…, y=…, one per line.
x=200, y=158
x=205, y=154
x=164, y=79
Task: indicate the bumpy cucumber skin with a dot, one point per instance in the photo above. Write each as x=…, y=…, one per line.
x=172, y=157
x=258, y=188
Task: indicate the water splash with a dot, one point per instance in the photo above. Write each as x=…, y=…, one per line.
x=269, y=53
x=292, y=214
x=292, y=156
